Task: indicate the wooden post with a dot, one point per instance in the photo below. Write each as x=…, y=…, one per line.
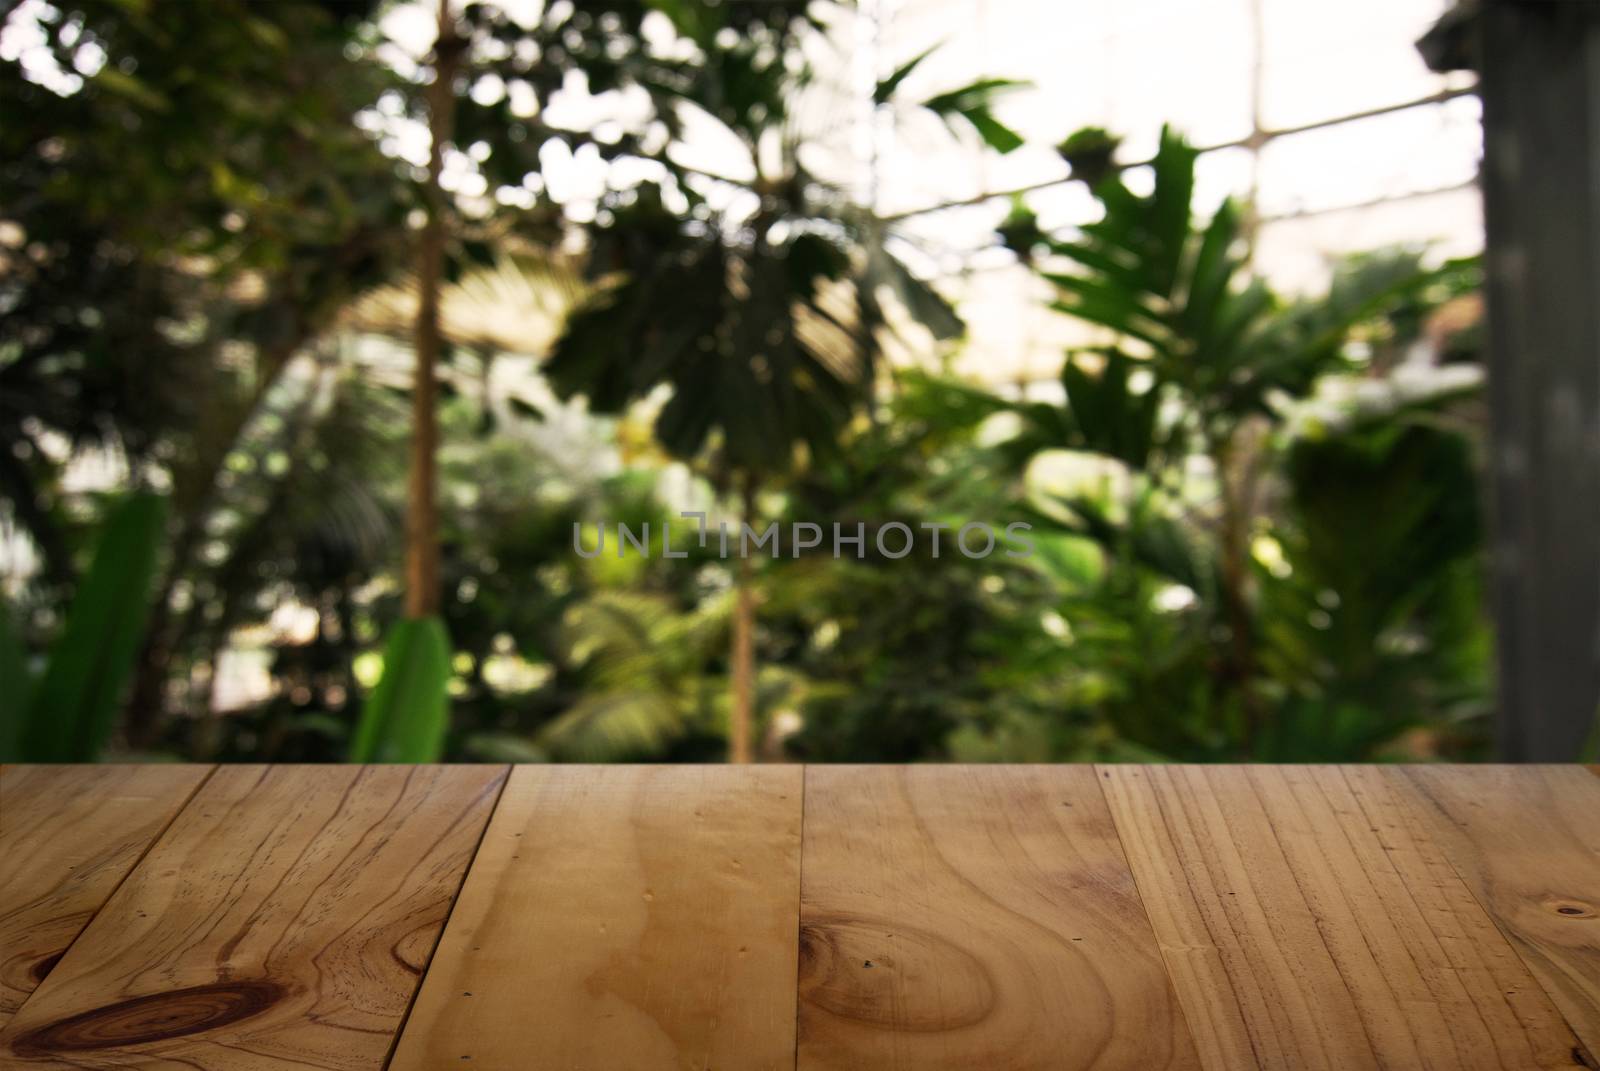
x=742, y=660
x=1539, y=66
x=422, y=488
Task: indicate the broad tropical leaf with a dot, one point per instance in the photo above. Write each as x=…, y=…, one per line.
x=1149, y=271
x=1108, y=416
x=73, y=709
x=1148, y=539
x=759, y=352
x=405, y=718
x=885, y=89
x=974, y=103
x=15, y=687
x=925, y=304
x=1380, y=609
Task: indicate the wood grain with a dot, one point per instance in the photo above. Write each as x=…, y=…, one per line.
x=1310, y=921
x=283, y=920
x=622, y=919
x=1527, y=841
x=975, y=917
x=68, y=836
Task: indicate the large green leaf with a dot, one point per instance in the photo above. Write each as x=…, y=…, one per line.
x=1110, y=417
x=1150, y=271
x=1146, y=235
x=1140, y=244
x=744, y=337
x=70, y=715
x=1169, y=205
x=1147, y=538
x=924, y=304
x=405, y=718
x=995, y=134
x=885, y=89
x=1378, y=618
x=1103, y=302
x=14, y=688
x=974, y=103
x=1213, y=269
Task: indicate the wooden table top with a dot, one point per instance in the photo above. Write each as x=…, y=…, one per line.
x=633, y=918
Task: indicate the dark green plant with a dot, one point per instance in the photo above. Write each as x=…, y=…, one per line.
x=898, y=655
x=1376, y=624
x=69, y=712
x=1020, y=231
x=1207, y=365
x=766, y=328
x=406, y=716
x=973, y=103
x=211, y=186
x=1090, y=154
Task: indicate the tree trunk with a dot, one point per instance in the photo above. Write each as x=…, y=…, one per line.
x=422, y=502
x=1235, y=460
x=742, y=662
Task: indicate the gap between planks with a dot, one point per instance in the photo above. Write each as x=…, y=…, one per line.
x=283, y=917
x=650, y=908
x=53, y=908
x=405, y=1017
x=799, y=899
x=1312, y=917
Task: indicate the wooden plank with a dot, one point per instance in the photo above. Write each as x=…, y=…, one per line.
x=622, y=919
x=282, y=920
x=975, y=917
x=69, y=835
x=1310, y=921
x=1527, y=841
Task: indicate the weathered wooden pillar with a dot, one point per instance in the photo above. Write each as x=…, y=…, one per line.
x=1539, y=70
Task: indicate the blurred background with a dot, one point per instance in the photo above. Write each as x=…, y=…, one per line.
x=324, y=324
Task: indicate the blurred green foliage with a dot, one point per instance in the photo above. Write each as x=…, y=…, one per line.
x=69, y=713
x=1256, y=521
